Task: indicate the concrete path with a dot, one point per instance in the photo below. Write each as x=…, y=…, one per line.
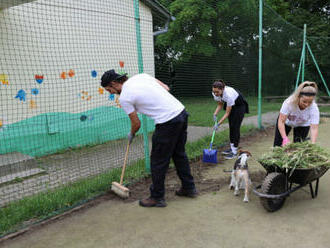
x=217, y=219
x=268, y=119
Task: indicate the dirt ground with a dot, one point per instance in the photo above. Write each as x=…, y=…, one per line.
x=215, y=219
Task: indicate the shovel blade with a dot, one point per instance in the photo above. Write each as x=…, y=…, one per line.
x=210, y=156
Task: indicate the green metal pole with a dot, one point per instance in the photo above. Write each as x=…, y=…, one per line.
x=299, y=70
x=260, y=65
x=140, y=65
x=317, y=67
x=304, y=55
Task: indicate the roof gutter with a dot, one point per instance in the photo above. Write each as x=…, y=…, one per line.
x=162, y=10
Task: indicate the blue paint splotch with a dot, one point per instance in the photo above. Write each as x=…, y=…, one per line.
x=21, y=95
x=111, y=97
x=83, y=117
x=34, y=91
x=94, y=73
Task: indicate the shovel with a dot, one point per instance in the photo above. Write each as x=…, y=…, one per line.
x=210, y=155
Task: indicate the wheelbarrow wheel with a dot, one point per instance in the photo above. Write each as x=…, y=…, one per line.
x=273, y=184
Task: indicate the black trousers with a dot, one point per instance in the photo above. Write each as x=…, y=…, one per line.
x=299, y=134
x=168, y=141
x=235, y=121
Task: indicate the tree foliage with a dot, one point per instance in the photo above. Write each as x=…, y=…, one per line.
x=226, y=32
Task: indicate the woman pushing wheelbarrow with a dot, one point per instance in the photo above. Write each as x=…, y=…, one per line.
x=291, y=166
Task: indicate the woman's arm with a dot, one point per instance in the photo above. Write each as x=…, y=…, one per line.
x=225, y=116
x=281, y=125
x=314, y=132
x=219, y=107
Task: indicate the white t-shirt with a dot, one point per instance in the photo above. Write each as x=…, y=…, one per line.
x=229, y=96
x=142, y=93
x=298, y=117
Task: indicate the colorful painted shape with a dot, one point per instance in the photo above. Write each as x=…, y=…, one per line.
x=34, y=91
x=83, y=117
x=121, y=64
x=111, y=97
x=117, y=102
x=94, y=73
x=71, y=73
x=4, y=79
x=21, y=95
x=32, y=104
x=39, y=78
x=101, y=91
x=63, y=75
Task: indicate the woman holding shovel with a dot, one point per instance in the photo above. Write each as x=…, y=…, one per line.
x=300, y=112
x=235, y=106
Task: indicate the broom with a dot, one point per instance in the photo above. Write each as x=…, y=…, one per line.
x=118, y=188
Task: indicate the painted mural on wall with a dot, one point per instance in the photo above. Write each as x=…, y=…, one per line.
x=30, y=96
x=66, y=124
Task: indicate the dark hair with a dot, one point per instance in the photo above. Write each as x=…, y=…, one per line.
x=220, y=84
x=112, y=76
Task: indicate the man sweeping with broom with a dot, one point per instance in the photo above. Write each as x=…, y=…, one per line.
x=145, y=94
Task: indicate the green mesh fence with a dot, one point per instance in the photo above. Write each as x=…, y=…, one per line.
x=219, y=39
x=57, y=125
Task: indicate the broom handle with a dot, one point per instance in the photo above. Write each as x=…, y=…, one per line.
x=124, y=166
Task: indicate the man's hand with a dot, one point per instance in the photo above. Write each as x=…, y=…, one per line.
x=130, y=137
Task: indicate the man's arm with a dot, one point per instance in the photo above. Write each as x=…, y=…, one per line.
x=135, y=122
x=163, y=85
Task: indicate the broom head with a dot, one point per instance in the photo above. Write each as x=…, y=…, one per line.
x=120, y=190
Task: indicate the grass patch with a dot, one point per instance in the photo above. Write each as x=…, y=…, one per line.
x=53, y=202
x=325, y=109
x=47, y=204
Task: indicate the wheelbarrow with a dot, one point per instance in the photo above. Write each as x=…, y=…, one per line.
x=281, y=182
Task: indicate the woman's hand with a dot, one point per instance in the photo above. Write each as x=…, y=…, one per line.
x=285, y=141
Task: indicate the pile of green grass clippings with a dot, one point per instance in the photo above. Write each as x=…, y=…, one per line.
x=296, y=155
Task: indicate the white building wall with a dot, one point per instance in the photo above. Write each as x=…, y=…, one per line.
x=51, y=37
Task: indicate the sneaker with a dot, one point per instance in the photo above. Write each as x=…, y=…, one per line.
x=192, y=193
x=151, y=202
x=228, y=151
x=230, y=156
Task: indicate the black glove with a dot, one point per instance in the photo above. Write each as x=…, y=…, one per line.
x=130, y=137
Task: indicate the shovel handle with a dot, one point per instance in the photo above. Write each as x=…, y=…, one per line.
x=124, y=166
x=213, y=136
